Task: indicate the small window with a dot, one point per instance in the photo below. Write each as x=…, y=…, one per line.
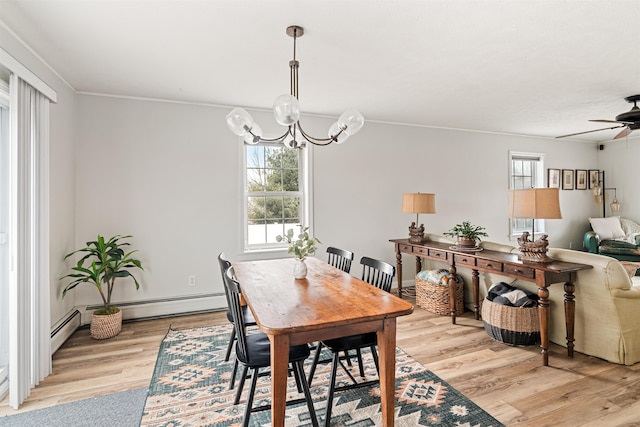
x=525, y=171
x=274, y=193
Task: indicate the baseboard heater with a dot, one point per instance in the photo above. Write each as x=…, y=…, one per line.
x=160, y=307
x=61, y=331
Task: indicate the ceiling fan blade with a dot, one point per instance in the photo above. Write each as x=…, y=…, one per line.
x=590, y=131
x=623, y=133
x=611, y=121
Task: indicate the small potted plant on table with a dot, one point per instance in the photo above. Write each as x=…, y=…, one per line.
x=467, y=234
x=301, y=247
x=102, y=263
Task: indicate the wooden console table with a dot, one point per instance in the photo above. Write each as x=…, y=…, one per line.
x=505, y=264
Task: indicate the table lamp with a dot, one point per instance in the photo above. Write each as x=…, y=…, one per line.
x=418, y=203
x=534, y=203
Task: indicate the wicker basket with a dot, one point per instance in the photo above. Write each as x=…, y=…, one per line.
x=435, y=297
x=106, y=326
x=511, y=325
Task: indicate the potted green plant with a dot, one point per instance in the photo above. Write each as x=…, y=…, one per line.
x=103, y=261
x=468, y=235
x=302, y=246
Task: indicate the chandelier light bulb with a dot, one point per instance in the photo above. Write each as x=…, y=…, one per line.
x=351, y=121
x=239, y=121
x=286, y=110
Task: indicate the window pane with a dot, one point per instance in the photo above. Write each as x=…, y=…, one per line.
x=255, y=180
x=291, y=209
x=256, y=209
x=255, y=156
x=274, y=209
x=257, y=234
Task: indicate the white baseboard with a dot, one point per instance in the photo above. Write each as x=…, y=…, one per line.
x=81, y=315
x=163, y=307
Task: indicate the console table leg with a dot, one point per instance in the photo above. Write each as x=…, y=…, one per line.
x=569, y=314
x=543, y=312
x=475, y=281
x=399, y=269
x=453, y=284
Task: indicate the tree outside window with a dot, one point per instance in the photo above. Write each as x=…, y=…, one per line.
x=274, y=193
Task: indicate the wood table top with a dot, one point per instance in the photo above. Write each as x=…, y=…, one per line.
x=327, y=298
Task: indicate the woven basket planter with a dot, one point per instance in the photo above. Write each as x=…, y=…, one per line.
x=435, y=297
x=511, y=325
x=106, y=325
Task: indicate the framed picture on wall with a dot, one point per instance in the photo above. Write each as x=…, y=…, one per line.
x=594, y=178
x=581, y=179
x=567, y=179
x=553, y=178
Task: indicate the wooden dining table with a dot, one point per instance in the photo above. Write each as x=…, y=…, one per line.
x=328, y=303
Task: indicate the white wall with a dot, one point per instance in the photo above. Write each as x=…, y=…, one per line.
x=619, y=160
x=169, y=174
x=62, y=168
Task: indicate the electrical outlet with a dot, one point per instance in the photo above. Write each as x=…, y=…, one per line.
x=192, y=280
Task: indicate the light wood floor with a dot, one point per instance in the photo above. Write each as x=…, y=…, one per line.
x=508, y=382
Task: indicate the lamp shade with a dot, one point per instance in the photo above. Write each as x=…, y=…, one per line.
x=418, y=203
x=536, y=203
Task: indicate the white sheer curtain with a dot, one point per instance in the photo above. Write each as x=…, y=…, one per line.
x=29, y=282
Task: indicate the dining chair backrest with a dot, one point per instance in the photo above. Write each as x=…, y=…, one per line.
x=377, y=273
x=340, y=258
x=224, y=266
x=232, y=288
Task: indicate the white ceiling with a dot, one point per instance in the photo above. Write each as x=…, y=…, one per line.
x=529, y=67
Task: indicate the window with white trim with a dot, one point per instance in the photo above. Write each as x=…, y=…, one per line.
x=275, y=193
x=526, y=170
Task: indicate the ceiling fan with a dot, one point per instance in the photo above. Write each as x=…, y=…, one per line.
x=630, y=120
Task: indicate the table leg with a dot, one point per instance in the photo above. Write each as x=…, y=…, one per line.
x=399, y=269
x=387, y=359
x=453, y=284
x=475, y=282
x=543, y=313
x=569, y=314
x=279, y=371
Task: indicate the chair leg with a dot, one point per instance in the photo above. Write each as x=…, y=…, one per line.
x=232, y=339
x=360, y=364
x=247, y=410
x=241, y=385
x=233, y=375
x=374, y=353
x=348, y=357
x=297, y=378
x=314, y=363
x=332, y=384
x=299, y=371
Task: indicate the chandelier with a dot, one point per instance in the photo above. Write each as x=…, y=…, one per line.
x=286, y=109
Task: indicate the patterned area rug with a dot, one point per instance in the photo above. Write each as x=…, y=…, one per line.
x=190, y=387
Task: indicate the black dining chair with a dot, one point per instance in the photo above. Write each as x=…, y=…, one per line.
x=379, y=274
x=247, y=316
x=340, y=258
x=254, y=352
